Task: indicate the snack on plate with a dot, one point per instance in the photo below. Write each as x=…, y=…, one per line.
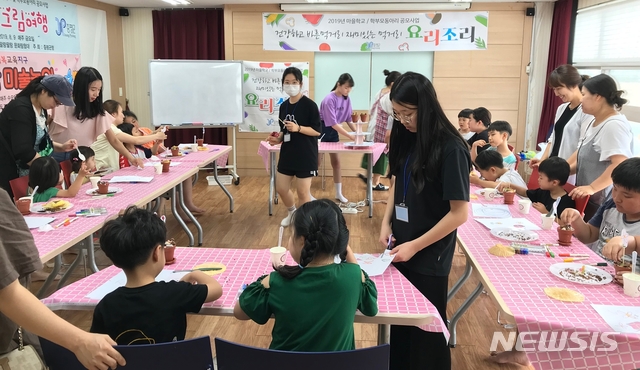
x=170, y=243
x=55, y=205
x=564, y=294
x=515, y=235
x=501, y=250
x=580, y=276
x=202, y=148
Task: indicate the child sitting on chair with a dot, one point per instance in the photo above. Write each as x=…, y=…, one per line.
x=552, y=176
x=145, y=311
x=499, y=133
x=76, y=163
x=46, y=174
x=490, y=164
x=314, y=302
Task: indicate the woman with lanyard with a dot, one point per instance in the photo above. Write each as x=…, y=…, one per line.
x=427, y=203
x=571, y=122
x=335, y=110
x=23, y=127
x=299, y=128
x=608, y=141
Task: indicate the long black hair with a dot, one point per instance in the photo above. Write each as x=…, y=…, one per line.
x=34, y=87
x=319, y=224
x=391, y=77
x=84, y=108
x=434, y=130
x=344, y=78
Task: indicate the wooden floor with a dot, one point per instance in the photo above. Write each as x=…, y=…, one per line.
x=251, y=227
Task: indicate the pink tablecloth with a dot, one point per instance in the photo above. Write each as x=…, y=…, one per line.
x=398, y=300
x=205, y=157
x=376, y=149
x=520, y=281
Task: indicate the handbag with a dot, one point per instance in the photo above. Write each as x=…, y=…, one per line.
x=21, y=358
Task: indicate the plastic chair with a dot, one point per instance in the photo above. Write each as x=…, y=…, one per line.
x=66, y=172
x=189, y=354
x=515, y=168
x=533, y=180
x=581, y=203
x=232, y=356
x=512, y=149
x=19, y=187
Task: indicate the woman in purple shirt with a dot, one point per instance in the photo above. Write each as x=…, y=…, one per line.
x=335, y=110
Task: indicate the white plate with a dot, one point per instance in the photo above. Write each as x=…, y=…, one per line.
x=353, y=144
x=571, y=272
x=112, y=190
x=37, y=208
x=481, y=193
x=514, y=235
x=359, y=134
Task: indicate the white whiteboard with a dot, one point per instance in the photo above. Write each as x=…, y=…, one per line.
x=185, y=92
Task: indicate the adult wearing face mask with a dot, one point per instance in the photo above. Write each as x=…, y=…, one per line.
x=299, y=130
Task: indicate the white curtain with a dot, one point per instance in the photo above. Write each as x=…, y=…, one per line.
x=94, y=45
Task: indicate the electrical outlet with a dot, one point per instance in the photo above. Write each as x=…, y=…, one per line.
x=120, y=91
x=349, y=210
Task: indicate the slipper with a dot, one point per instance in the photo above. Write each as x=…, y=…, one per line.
x=380, y=187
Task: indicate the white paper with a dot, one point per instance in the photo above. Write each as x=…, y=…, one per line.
x=173, y=164
x=491, y=210
x=36, y=222
x=508, y=223
x=620, y=318
x=374, y=265
x=131, y=179
x=121, y=279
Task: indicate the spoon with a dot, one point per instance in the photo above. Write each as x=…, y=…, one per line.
x=280, y=236
x=80, y=155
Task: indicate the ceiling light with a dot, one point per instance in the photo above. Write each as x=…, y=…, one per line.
x=362, y=7
x=317, y=1
x=177, y=2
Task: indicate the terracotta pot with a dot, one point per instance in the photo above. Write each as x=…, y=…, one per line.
x=200, y=142
x=626, y=267
x=508, y=196
x=564, y=236
x=175, y=152
x=103, y=187
x=165, y=165
x=24, y=206
x=168, y=253
x=364, y=117
x=354, y=117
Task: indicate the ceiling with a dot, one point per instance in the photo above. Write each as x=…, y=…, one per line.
x=219, y=3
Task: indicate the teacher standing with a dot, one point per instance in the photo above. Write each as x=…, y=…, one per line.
x=426, y=204
x=23, y=127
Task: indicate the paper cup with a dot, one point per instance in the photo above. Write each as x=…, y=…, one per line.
x=547, y=222
x=489, y=193
x=94, y=181
x=158, y=168
x=631, y=284
x=278, y=256
x=194, y=147
x=524, y=206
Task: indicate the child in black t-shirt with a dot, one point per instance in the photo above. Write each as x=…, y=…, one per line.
x=145, y=311
x=552, y=176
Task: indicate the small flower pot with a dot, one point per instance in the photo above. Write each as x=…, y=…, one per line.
x=354, y=117
x=175, y=151
x=24, y=206
x=565, y=235
x=364, y=117
x=103, y=187
x=166, y=164
x=201, y=142
x=509, y=196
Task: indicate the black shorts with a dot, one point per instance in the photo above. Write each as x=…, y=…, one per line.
x=298, y=174
x=329, y=135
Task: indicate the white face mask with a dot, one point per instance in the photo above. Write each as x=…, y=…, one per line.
x=291, y=90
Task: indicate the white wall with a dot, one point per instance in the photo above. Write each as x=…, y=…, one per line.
x=94, y=46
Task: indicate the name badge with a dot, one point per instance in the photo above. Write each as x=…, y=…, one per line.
x=287, y=138
x=402, y=212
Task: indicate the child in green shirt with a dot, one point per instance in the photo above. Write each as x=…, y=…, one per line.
x=45, y=173
x=314, y=303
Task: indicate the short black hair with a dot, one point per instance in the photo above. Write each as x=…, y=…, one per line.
x=465, y=113
x=128, y=113
x=489, y=158
x=555, y=168
x=482, y=114
x=627, y=174
x=297, y=74
x=44, y=173
x=127, y=128
x=130, y=239
x=74, y=157
x=501, y=126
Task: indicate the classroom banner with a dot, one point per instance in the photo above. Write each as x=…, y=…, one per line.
x=18, y=69
x=263, y=93
x=375, y=32
x=39, y=27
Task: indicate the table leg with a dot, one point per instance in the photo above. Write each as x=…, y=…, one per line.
x=370, y=183
x=57, y=263
x=384, y=332
x=174, y=210
x=324, y=168
x=189, y=214
x=467, y=272
x=215, y=176
x=74, y=264
x=461, y=310
x=91, y=254
x=272, y=180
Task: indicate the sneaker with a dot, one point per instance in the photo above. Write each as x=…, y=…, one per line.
x=363, y=178
x=380, y=187
x=287, y=220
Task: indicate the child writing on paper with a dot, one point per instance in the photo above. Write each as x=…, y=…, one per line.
x=552, y=176
x=618, y=213
x=76, y=163
x=145, y=311
x=490, y=164
x=314, y=302
x=499, y=132
x=46, y=174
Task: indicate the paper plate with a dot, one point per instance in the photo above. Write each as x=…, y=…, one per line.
x=481, y=193
x=37, y=208
x=354, y=145
x=571, y=272
x=514, y=235
x=112, y=190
